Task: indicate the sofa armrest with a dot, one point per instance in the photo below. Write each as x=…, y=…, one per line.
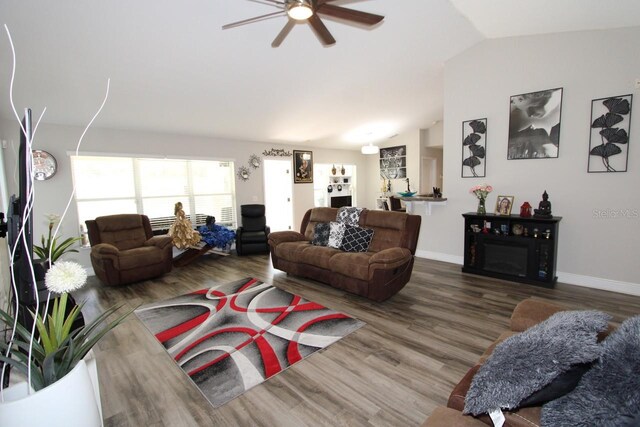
x=531, y=312
x=391, y=256
x=159, y=241
x=447, y=417
x=278, y=237
x=105, y=249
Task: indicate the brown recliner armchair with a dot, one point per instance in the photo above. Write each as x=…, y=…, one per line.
x=124, y=249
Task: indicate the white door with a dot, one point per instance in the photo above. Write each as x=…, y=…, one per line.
x=278, y=194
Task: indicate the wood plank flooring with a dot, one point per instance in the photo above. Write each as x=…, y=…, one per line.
x=392, y=372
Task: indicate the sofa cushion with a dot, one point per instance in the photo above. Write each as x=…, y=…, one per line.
x=526, y=362
x=609, y=394
x=336, y=234
x=321, y=234
x=291, y=251
x=389, y=229
x=351, y=264
x=140, y=257
x=317, y=215
x=349, y=215
x=320, y=256
x=356, y=239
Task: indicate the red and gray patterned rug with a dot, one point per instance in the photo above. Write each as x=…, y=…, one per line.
x=233, y=337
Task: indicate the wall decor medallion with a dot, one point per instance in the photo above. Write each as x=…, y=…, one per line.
x=534, y=125
x=474, y=148
x=393, y=162
x=303, y=167
x=254, y=161
x=244, y=173
x=609, y=138
x=44, y=165
x=277, y=152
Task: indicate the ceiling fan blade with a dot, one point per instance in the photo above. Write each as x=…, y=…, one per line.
x=270, y=2
x=349, y=14
x=256, y=19
x=283, y=33
x=320, y=29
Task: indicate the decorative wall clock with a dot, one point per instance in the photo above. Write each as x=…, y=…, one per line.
x=44, y=165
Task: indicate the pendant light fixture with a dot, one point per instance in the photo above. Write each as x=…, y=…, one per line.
x=370, y=149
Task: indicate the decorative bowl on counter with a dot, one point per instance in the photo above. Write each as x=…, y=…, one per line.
x=407, y=193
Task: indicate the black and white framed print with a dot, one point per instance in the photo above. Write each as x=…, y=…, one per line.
x=474, y=148
x=609, y=138
x=534, y=125
x=393, y=162
x=303, y=165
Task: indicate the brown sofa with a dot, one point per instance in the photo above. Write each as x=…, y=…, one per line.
x=377, y=274
x=124, y=249
x=526, y=314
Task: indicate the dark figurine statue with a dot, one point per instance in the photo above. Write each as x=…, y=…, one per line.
x=437, y=193
x=544, y=208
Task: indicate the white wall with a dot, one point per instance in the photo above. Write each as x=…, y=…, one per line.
x=51, y=195
x=593, y=251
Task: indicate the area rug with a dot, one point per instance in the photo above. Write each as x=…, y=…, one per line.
x=233, y=337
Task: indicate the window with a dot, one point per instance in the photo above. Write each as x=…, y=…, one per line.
x=112, y=185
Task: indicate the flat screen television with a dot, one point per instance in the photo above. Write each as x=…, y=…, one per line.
x=17, y=218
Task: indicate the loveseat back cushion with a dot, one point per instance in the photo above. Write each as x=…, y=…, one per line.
x=126, y=231
x=318, y=215
x=389, y=229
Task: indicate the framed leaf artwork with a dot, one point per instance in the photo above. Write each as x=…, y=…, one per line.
x=474, y=148
x=609, y=138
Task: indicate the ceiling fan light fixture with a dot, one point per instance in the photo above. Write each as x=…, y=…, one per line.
x=299, y=10
x=370, y=149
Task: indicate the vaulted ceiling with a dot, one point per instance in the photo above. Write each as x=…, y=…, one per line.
x=173, y=69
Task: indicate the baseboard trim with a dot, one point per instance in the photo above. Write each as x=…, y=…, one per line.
x=600, y=283
x=439, y=256
x=569, y=278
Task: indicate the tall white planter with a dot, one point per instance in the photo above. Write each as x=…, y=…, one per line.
x=69, y=402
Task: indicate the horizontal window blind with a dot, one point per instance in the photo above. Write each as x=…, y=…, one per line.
x=112, y=185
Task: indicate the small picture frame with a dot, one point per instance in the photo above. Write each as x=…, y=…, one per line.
x=303, y=167
x=504, y=205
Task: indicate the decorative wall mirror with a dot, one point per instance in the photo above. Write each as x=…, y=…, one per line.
x=244, y=173
x=254, y=161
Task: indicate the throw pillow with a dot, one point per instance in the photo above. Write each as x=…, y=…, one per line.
x=525, y=363
x=349, y=215
x=336, y=233
x=356, y=239
x=321, y=234
x=609, y=394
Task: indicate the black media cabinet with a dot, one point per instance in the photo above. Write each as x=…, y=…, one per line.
x=496, y=251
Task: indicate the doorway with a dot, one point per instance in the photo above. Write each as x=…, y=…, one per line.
x=278, y=194
x=429, y=175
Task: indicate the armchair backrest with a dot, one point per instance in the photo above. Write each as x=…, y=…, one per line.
x=125, y=231
x=253, y=218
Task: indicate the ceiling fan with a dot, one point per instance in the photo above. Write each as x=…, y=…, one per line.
x=308, y=10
